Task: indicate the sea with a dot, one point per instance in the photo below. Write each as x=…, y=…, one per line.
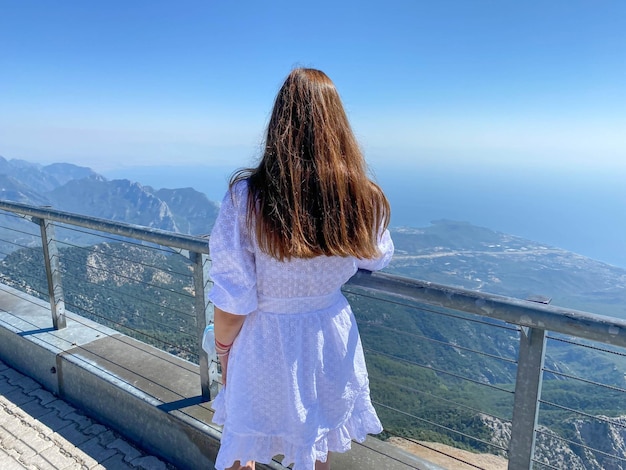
x=579, y=211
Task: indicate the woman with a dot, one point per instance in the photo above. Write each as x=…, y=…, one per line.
x=289, y=234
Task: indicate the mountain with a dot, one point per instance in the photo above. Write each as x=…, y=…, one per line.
x=119, y=200
x=64, y=172
x=12, y=189
x=192, y=211
x=82, y=191
x=42, y=178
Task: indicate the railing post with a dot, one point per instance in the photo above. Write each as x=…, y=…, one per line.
x=527, y=395
x=53, y=272
x=208, y=365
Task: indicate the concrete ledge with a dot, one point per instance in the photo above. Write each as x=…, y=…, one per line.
x=147, y=395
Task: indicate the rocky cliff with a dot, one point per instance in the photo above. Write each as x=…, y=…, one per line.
x=592, y=442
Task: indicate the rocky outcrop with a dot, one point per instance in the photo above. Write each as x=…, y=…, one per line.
x=193, y=212
x=594, y=443
x=119, y=200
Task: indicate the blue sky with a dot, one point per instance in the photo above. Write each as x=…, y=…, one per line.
x=116, y=84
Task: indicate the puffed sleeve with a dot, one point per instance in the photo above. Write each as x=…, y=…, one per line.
x=385, y=247
x=233, y=269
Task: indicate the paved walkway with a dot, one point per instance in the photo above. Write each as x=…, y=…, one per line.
x=40, y=432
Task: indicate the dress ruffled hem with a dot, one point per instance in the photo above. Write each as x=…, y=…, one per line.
x=263, y=449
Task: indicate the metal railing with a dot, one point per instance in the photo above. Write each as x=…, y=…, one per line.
x=195, y=248
x=381, y=301
x=531, y=324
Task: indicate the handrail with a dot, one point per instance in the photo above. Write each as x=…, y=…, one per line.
x=601, y=328
x=153, y=235
x=197, y=247
x=582, y=324
x=534, y=319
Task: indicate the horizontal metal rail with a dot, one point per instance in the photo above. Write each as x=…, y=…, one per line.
x=524, y=313
x=581, y=324
x=153, y=235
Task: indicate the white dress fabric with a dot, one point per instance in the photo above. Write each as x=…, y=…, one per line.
x=297, y=382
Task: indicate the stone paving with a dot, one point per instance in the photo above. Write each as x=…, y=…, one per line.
x=40, y=432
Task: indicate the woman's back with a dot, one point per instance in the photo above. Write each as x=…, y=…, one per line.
x=296, y=278
x=322, y=275
x=289, y=234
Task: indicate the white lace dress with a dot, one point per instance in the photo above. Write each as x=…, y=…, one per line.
x=297, y=381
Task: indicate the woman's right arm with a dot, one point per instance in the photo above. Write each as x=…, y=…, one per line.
x=233, y=273
x=385, y=248
x=227, y=327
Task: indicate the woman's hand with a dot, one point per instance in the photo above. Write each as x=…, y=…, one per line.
x=224, y=363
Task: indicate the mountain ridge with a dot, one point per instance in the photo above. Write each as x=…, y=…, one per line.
x=81, y=190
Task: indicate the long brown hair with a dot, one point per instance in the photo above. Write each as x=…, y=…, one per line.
x=310, y=194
